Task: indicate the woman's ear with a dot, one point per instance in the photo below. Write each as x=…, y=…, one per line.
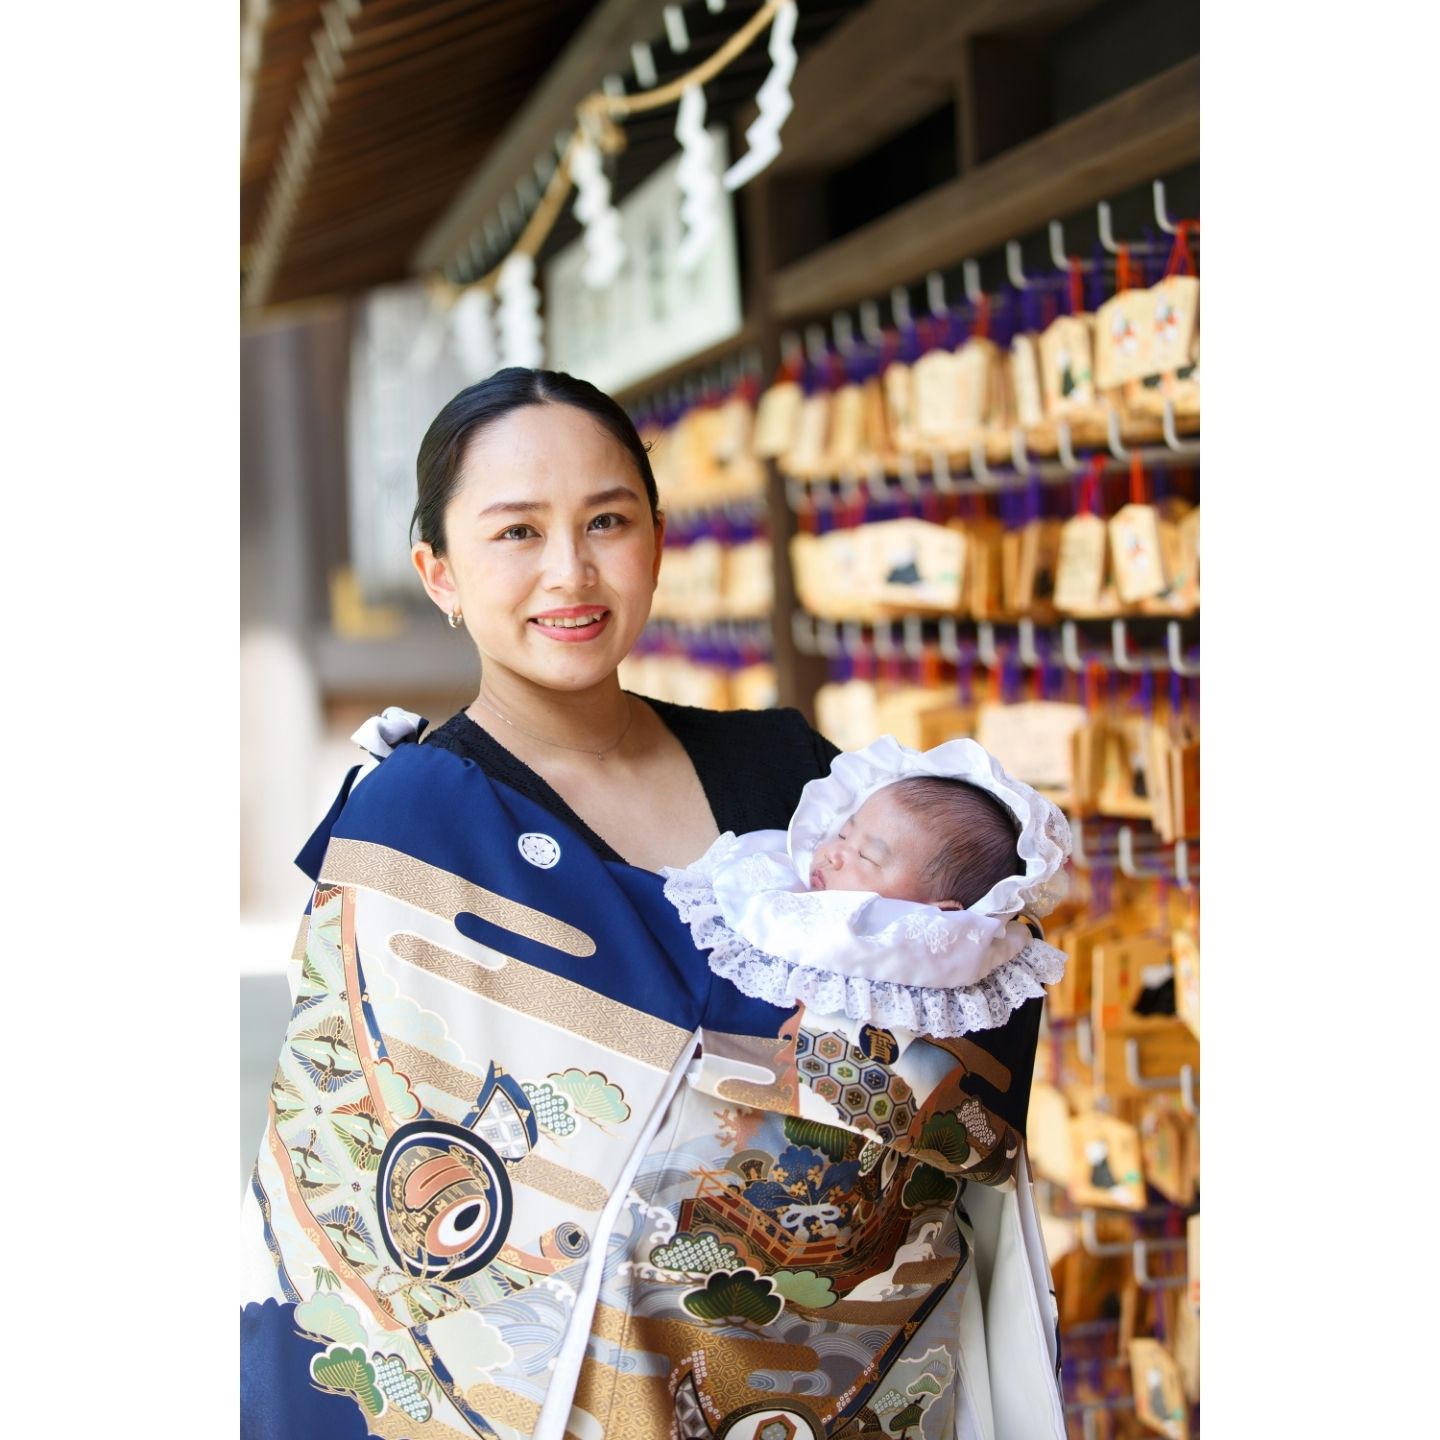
x=659, y=546
x=435, y=576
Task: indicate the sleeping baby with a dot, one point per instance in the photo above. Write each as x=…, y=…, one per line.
x=906, y=893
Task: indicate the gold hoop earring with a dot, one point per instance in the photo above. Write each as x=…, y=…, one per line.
x=456, y=619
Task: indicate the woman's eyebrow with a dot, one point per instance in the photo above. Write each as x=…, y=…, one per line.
x=530, y=507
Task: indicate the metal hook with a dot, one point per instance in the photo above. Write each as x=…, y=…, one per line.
x=852, y=638
x=914, y=637
x=1120, y=647
x=1065, y=449
x=1013, y=268
x=1070, y=646
x=935, y=294
x=900, y=305
x=949, y=639
x=1107, y=236
x=795, y=494
x=940, y=473
x=1182, y=864
x=1172, y=436
x=1093, y=1244
x=1112, y=427
x=1140, y=1255
x=843, y=329
x=1058, y=257
x=815, y=347
x=849, y=487
x=1019, y=456
x=1025, y=645
x=828, y=639
x=1162, y=218
x=876, y=481
x=909, y=475
x=1187, y=1090
x=1174, y=644
x=882, y=639
x=979, y=466
x=985, y=644
x=790, y=345
x=870, y=322
x=1145, y=1082
x=971, y=271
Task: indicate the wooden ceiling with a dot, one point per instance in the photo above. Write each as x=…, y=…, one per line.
x=421, y=90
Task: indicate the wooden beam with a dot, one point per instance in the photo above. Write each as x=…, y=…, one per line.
x=1004, y=97
x=600, y=46
x=1123, y=142
x=889, y=65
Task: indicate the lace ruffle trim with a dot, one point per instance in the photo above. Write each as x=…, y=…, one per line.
x=924, y=1010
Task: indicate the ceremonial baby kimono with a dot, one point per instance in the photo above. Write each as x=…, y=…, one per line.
x=533, y=1169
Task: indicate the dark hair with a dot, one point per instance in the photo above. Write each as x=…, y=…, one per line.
x=976, y=834
x=437, y=468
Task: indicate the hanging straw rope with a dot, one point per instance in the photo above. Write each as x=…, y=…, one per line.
x=593, y=120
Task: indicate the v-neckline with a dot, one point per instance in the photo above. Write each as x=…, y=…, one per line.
x=551, y=798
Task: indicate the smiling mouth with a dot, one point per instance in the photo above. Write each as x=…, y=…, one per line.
x=569, y=622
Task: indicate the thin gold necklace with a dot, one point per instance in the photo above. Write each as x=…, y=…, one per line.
x=579, y=749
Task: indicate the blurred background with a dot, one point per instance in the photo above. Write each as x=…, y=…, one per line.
x=923, y=388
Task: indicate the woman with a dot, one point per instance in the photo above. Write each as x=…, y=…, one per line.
x=531, y=1170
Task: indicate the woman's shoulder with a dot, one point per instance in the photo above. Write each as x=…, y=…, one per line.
x=459, y=734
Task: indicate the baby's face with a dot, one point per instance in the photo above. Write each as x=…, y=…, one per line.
x=880, y=848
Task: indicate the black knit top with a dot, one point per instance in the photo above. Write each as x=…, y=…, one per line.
x=752, y=764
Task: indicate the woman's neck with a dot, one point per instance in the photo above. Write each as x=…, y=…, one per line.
x=593, y=719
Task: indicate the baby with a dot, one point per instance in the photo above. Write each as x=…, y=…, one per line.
x=903, y=893
x=928, y=839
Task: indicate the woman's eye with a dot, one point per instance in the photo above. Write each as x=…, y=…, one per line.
x=607, y=521
x=517, y=532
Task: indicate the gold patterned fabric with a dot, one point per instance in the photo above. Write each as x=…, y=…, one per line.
x=532, y=1171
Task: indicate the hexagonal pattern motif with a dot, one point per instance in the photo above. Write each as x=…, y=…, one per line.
x=865, y=1091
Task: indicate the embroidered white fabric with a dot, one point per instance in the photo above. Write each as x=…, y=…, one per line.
x=926, y=1010
x=860, y=953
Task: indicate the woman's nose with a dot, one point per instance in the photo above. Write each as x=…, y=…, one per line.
x=566, y=564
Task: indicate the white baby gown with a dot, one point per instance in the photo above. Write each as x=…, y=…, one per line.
x=895, y=963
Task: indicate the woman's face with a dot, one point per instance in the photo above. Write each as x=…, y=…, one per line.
x=551, y=550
